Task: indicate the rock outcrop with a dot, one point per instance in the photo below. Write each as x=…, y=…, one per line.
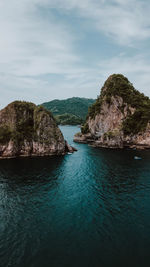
x=119, y=118
x=29, y=130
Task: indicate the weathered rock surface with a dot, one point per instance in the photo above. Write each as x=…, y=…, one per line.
x=29, y=130
x=119, y=118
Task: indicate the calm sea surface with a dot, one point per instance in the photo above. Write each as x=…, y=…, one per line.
x=89, y=209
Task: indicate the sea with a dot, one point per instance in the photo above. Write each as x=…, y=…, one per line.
x=86, y=209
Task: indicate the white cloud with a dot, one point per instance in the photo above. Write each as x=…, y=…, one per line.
x=125, y=21
x=31, y=44
x=36, y=43
x=136, y=68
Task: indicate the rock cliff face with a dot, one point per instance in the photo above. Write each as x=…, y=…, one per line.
x=29, y=130
x=119, y=118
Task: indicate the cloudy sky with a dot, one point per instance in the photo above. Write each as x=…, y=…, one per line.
x=62, y=48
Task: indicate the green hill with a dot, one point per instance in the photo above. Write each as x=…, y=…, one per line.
x=71, y=111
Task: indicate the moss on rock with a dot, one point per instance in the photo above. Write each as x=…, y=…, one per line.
x=5, y=134
x=29, y=127
x=118, y=85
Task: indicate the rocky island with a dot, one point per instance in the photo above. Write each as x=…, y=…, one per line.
x=30, y=130
x=119, y=118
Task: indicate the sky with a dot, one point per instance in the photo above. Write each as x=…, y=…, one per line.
x=56, y=49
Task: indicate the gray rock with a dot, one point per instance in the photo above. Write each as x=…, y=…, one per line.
x=105, y=128
x=29, y=130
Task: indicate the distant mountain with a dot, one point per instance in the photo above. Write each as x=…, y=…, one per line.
x=71, y=111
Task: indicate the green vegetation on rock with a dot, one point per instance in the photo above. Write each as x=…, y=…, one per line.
x=95, y=108
x=30, y=130
x=137, y=122
x=68, y=119
x=22, y=120
x=118, y=85
x=5, y=134
x=85, y=128
x=71, y=111
x=14, y=126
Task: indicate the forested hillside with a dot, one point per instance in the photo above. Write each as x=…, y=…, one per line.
x=71, y=111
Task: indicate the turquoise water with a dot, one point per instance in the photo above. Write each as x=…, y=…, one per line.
x=88, y=209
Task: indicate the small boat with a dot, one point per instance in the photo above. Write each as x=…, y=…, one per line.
x=137, y=157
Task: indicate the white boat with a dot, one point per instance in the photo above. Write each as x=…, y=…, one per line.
x=137, y=157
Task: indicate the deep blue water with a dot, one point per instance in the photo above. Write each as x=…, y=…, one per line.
x=88, y=209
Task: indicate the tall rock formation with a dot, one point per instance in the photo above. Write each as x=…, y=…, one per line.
x=119, y=118
x=29, y=130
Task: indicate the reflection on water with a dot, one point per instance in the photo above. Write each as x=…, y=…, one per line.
x=86, y=209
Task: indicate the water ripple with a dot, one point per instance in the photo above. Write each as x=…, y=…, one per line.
x=86, y=209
